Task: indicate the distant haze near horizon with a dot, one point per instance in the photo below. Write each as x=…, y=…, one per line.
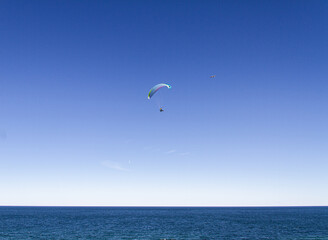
x=77, y=129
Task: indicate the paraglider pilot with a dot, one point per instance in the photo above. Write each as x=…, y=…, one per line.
x=161, y=110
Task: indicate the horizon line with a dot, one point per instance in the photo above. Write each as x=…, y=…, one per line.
x=239, y=206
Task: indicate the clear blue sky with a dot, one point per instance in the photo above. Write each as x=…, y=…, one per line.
x=76, y=127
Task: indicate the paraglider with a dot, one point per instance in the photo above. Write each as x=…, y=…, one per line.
x=213, y=76
x=154, y=89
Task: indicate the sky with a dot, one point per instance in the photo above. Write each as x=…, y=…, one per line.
x=77, y=129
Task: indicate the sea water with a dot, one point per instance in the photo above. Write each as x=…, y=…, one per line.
x=163, y=223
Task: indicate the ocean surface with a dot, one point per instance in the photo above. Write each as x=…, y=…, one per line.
x=163, y=223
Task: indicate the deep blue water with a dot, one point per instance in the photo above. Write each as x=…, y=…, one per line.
x=163, y=223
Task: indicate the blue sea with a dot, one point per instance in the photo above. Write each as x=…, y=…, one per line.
x=163, y=223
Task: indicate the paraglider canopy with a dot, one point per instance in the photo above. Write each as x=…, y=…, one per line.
x=154, y=89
